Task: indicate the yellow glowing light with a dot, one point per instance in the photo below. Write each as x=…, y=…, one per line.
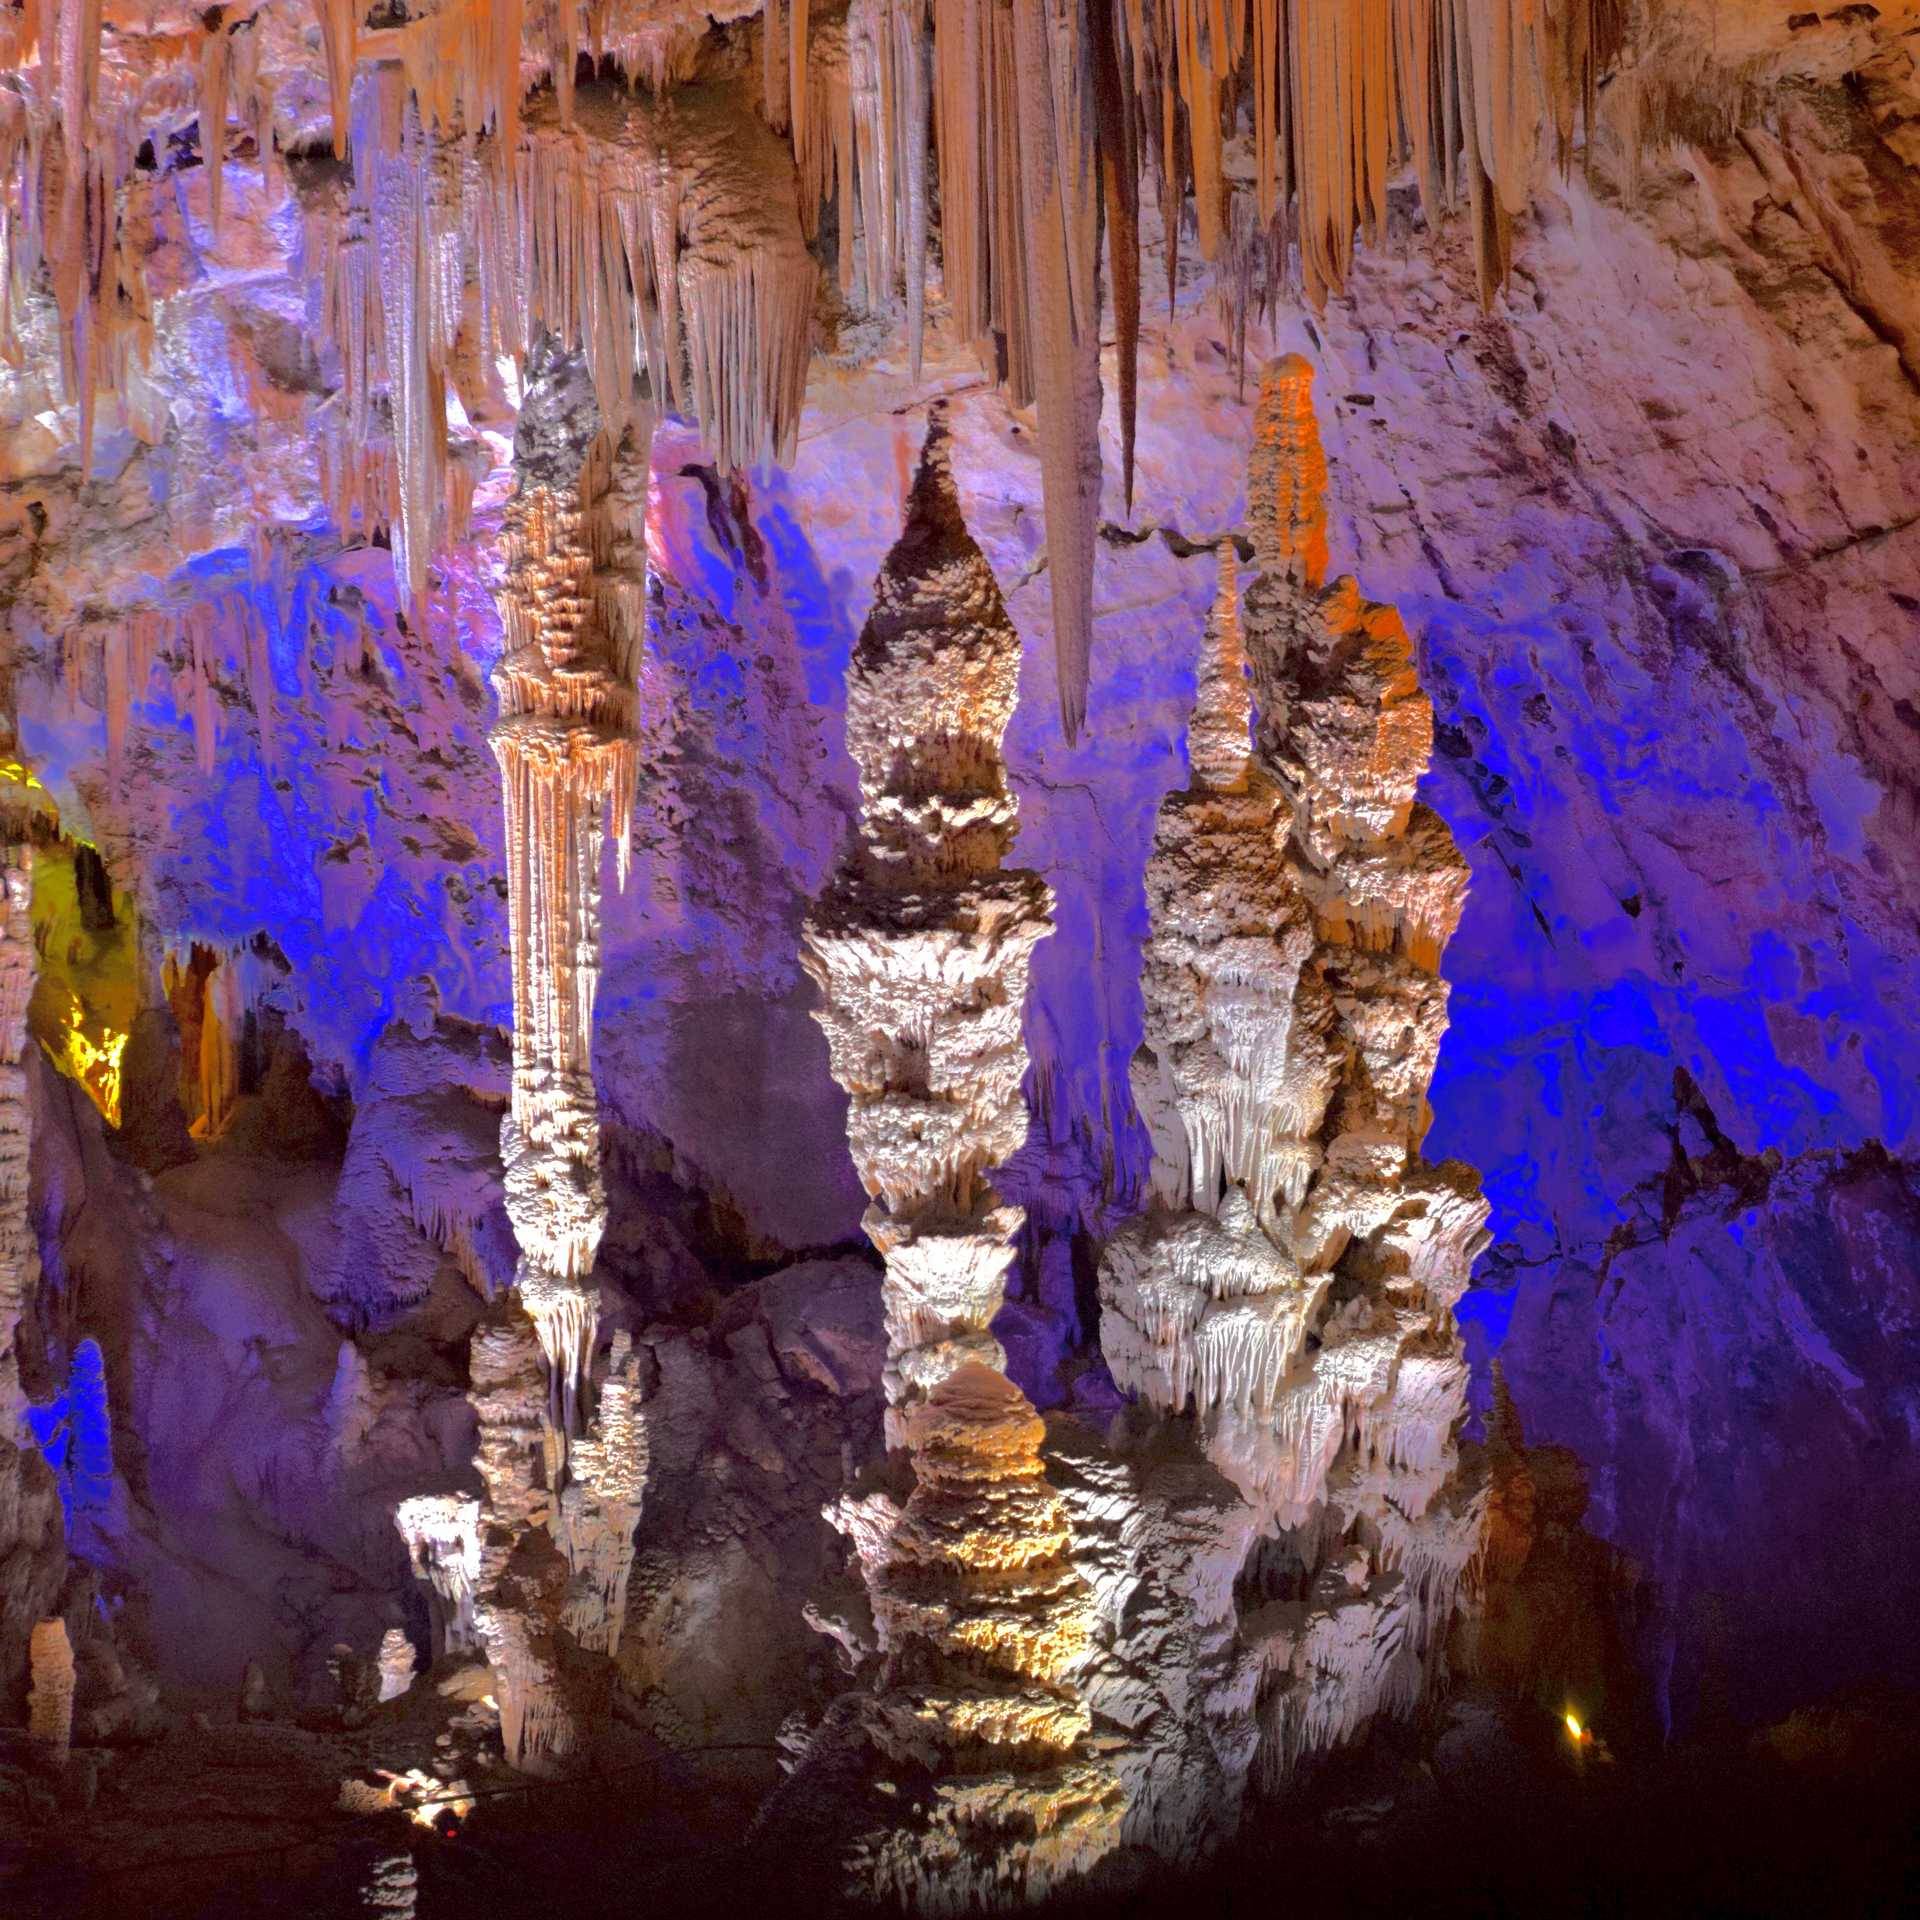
x=94, y=1063
x=16, y=773
x=1574, y=1728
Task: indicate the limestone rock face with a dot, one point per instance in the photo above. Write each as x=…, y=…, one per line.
x=1295, y=1279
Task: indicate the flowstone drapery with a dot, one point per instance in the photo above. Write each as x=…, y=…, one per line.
x=1294, y=1279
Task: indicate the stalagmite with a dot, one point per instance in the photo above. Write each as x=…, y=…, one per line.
x=50, y=1704
x=921, y=946
x=983, y=1616
x=442, y=1532
x=396, y=1664
x=606, y=1476
x=521, y=1586
x=1294, y=1279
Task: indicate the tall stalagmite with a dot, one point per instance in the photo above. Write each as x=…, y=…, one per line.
x=553, y=1555
x=921, y=945
x=32, y=1550
x=1294, y=1280
x=921, y=949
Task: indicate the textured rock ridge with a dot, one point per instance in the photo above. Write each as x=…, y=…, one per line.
x=1294, y=1279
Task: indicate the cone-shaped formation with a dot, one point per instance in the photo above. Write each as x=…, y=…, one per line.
x=983, y=1616
x=921, y=945
x=1295, y=1279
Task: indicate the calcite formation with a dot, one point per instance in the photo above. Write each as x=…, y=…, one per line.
x=19, y=1254
x=1294, y=1279
x=442, y=1532
x=921, y=948
x=665, y=226
x=568, y=754
x=50, y=1703
x=983, y=1617
x=922, y=944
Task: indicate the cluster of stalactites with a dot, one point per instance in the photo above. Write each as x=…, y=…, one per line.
x=658, y=235
x=861, y=140
x=1030, y=125
x=19, y=1250
x=1343, y=93
x=1294, y=1279
x=983, y=1617
x=922, y=944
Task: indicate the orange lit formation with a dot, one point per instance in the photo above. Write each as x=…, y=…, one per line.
x=1295, y=1277
x=664, y=225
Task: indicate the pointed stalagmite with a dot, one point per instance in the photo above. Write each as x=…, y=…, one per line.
x=50, y=1701
x=1294, y=1280
x=921, y=946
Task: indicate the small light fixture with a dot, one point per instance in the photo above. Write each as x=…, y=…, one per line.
x=1575, y=1731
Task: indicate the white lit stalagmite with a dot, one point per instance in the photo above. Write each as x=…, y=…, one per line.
x=1294, y=1279
x=921, y=945
x=982, y=1789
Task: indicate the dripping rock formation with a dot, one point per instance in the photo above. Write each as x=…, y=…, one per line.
x=1347, y=1297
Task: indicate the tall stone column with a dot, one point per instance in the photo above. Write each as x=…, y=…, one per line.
x=32, y=1533
x=1293, y=1281
x=552, y=1556
x=981, y=1785
x=922, y=944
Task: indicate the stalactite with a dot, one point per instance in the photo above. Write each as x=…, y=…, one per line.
x=216, y=75
x=922, y=944
x=1059, y=170
x=1294, y=1278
